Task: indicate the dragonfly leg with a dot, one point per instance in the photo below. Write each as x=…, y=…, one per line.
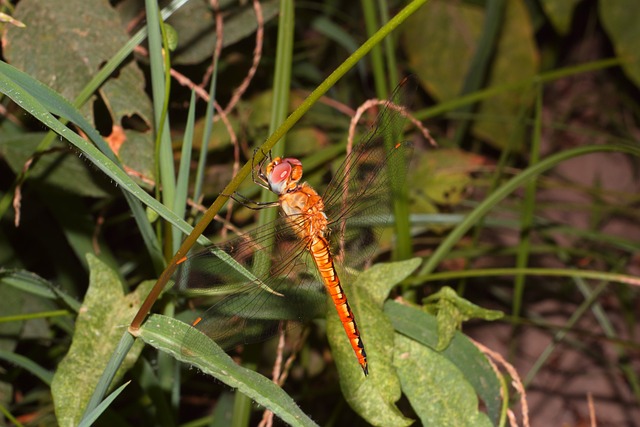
x=259, y=177
x=252, y=204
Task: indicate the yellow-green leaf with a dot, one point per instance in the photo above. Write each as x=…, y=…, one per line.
x=436, y=389
x=560, y=13
x=440, y=41
x=620, y=19
x=102, y=320
x=372, y=397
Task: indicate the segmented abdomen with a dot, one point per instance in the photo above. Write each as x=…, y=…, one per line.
x=324, y=262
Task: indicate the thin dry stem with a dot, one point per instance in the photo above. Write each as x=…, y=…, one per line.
x=185, y=81
x=592, y=410
x=96, y=233
x=218, y=48
x=257, y=54
x=222, y=115
x=387, y=104
x=516, y=381
x=267, y=416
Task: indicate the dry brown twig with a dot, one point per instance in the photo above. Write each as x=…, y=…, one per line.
x=516, y=382
x=257, y=54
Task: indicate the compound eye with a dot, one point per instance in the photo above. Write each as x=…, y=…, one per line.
x=280, y=172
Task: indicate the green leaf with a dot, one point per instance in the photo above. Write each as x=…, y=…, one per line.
x=372, y=397
x=620, y=19
x=421, y=327
x=167, y=334
x=95, y=414
x=172, y=37
x=436, y=389
x=440, y=55
x=560, y=13
x=104, y=314
x=62, y=51
x=441, y=177
x=451, y=310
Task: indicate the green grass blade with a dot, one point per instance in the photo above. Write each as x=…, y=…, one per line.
x=206, y=136
x=28, y=365
x=528, y=210
x=372, y=23
x=492, y=200
x=40, y=100
x=10, y=417
x=36, y=285
x=492, y=91
x=33, y=106
x=279, y=106
x=95, y=414
x=109, y=373
x=160, y=96
x=182, y=185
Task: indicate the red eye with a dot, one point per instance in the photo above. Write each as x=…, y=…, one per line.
x=280, y=172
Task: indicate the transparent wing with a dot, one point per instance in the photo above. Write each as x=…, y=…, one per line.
x=359, y=199
x=247, y=311
x=357, y=202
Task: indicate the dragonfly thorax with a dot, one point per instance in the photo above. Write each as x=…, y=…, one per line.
x=283, y=175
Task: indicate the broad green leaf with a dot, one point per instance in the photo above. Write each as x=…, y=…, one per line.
x=560, y=13
x=440, y=54
x=436, y=389
x=451, y=310
x=476, y=370
x=516, y=58
x=167, y=334
x=64, y=46
x=442, y=177
x=372, y=397
x=620, y=19
x=104, y=315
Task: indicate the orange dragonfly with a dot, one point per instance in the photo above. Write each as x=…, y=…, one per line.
x=278, y=270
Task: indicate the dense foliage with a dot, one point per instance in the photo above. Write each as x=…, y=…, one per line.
x=111, y=151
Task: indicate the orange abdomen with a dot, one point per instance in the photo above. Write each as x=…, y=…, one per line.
x=319, y=248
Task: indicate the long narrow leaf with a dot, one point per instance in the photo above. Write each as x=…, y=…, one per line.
x=32, y=105
x=166, y=334
x=95, y=414
x=182, y=185
x=28, y=365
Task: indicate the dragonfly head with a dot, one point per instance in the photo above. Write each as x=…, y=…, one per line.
x=284, y=174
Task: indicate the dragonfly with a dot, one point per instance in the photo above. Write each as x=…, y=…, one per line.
x=283, y=270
